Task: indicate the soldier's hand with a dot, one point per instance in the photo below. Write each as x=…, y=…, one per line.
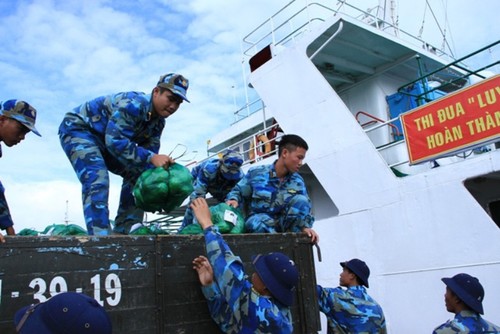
x=10, y=230
x=204, y=270
x=162, y=160
x=311, y=234
x=233, y=203
x=201, y=212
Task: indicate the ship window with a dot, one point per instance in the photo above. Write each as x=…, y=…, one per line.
x=322, y=205
x=486, y=191
x=494, y=208
x=260, y=58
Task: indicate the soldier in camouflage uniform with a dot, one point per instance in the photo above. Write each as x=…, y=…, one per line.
x=216, y=177
x=17, y=118
x=275, y=195
x=351, y=310
x=236, y=304
x=119, y=133
x=464, y=297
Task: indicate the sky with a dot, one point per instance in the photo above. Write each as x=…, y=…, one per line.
x=58, y=54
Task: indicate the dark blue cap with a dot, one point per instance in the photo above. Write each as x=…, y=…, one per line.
x=279, y=274
x=468, y=289
x=67, y=312
x=359, y=268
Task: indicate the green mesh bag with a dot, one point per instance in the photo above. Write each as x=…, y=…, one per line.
x=148, y=230
x=194, y=228
x=162, y=190
x=27, y=232
x=63, y=230
x=143, y=230
x=220, y=213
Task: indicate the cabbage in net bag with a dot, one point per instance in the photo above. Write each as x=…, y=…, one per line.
x=225, y=217
x=162, y=190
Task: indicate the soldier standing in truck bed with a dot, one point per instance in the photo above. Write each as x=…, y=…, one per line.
x=17, y=118
x=118, y=133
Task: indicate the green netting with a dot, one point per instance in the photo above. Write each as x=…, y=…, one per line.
x=148, y=230
x=63, y=229
x=27, y=232
x=194, y=228
x=162, y=190
x=221, y=213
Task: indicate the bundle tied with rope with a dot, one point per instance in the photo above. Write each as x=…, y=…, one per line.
x=163, y=190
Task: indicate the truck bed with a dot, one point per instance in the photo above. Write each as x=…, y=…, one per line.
x=146, y=283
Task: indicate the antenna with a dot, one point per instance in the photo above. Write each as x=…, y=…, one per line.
x=66, y=218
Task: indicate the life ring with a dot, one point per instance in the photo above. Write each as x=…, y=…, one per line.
x=273, y=133
x=263, y=147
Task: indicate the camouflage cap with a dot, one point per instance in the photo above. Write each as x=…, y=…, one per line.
x=20, y=111
x=176, y=83
x=230, y=165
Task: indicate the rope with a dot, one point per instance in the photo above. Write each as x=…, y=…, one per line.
x=443, y=33
x=423, y=22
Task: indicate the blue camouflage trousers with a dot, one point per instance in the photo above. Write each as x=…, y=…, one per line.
x=189, y=217
x=91, y=162
x=5, y=218
x=292, y=218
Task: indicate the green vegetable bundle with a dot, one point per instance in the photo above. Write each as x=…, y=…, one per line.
x=163, y=190
x=225, y=217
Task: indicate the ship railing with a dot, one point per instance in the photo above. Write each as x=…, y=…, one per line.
x=166, y=222
x=247, y=110
x=380, y=23
x=281, y=29
x=456, y=81
x=269, y=31
x=254, y=147
x=397, y=137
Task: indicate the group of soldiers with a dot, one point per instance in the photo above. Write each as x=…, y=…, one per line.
x=120, y=133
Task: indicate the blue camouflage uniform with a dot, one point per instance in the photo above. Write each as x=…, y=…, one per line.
x=116, y=133
x=25, y=114
x=467, y=322
x=351, y=310
x=234, y=305
x=207, y=178
x=273, y=205
x=5, y=218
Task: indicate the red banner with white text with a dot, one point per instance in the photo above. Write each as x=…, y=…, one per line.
x=462, y=120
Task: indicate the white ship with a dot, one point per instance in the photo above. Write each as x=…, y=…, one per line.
x=341, y=79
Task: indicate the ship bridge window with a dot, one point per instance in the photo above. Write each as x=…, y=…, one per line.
x=322, y=205
x=486, y=191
